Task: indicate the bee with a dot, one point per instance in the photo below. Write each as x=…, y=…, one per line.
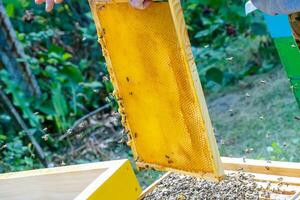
x=262, y=81
x=45, y=137
x=170, y=161
x=124, y=118
x=280, y=179
x=262, y=117
x=105, y=78
x=248, y=150
x=101, y=7
x=244, y=159
x=119, y=99
x=3, y=146
x=103, y=31
x=229, y=59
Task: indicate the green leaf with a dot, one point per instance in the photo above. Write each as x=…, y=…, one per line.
x=61, y=109
x=2, y=137
x=207, y=32
x=93, y=85
x=55, y=49
x=72, y=73
x=259, y=28
x=47, y=108
x=67, y=56
x=5, y=119
x=10, y=10
x=59, y=102
x=215, y=75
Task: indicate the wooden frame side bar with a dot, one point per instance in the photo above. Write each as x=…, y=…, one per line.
x=262, y=167
x=185, y=47
x=60, y=170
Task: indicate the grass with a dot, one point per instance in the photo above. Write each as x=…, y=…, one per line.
x=257, y=118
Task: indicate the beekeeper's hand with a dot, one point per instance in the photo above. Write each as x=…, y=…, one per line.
x=140, y=4
x=49, y=3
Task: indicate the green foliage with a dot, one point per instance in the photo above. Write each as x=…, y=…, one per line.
x=66, y=60
x=16, y=155
x=227, y=45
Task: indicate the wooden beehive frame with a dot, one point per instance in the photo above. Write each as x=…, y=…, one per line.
x=184, y=43
x=87, y=181
x=265, y=172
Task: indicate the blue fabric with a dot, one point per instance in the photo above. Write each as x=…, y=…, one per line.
x=278, y=25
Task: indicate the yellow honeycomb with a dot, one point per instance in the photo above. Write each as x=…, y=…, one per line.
x=155, y=88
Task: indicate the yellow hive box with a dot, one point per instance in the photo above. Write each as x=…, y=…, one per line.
x=157, y=86
x=109, y=180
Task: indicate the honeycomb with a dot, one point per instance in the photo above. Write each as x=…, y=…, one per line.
x=155, y=89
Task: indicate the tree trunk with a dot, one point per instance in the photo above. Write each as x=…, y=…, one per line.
x=10, y=52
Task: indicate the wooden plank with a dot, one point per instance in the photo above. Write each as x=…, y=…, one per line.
x=59, y=170
x=262, y=167
x=272, y=178
x=52, y=186
x=53, y=183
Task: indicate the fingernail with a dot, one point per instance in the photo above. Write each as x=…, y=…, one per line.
x=48, y=8
x=58, y=1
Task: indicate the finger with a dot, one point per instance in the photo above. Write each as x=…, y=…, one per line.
x=146, y=4
x=39, y=1
x=49, y=5
x=137, y=4
x=58, y=1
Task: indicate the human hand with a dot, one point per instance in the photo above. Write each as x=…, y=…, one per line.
x=49, y=3
x=140, y=4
